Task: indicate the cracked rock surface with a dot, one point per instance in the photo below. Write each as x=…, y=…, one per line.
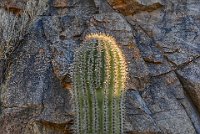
x=161, y=43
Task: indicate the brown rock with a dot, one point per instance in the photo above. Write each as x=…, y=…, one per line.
x=14, y=9
x=130, y=7
x=60, y=3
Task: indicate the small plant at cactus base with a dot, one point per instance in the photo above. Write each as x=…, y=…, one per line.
x=99, y=78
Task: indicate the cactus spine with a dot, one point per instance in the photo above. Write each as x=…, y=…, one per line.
x=99, y=75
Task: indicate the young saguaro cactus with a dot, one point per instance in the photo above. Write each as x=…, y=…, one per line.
x=99, y=75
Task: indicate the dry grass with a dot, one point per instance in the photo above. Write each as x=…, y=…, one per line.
x=36, y=7
x=14, y=27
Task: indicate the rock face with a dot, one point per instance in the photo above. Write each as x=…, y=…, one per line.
x=159, y=38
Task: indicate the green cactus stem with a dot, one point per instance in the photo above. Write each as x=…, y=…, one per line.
x=99, y=77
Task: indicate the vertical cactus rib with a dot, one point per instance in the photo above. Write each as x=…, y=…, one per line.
x=99, y=76
x=87, y=93
x=78, y=94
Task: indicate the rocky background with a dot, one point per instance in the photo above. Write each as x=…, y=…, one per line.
x=161, y=41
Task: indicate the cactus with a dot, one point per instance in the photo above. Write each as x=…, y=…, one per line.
x=99, y=75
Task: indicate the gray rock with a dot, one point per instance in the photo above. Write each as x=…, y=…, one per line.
x=190, y=79
x=167, y=111
x=138, y=119
x=159, y=38
x=31, y=92
x=2, y=70
x=192, y=112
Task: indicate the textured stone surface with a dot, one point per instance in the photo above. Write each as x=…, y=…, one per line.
x=160, y=40
x=60, y=3
x=130, y=7
x=166, y=109
x=190, y=78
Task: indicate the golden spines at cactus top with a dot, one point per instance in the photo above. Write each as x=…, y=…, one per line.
x=114, y=47
x=100, y=36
